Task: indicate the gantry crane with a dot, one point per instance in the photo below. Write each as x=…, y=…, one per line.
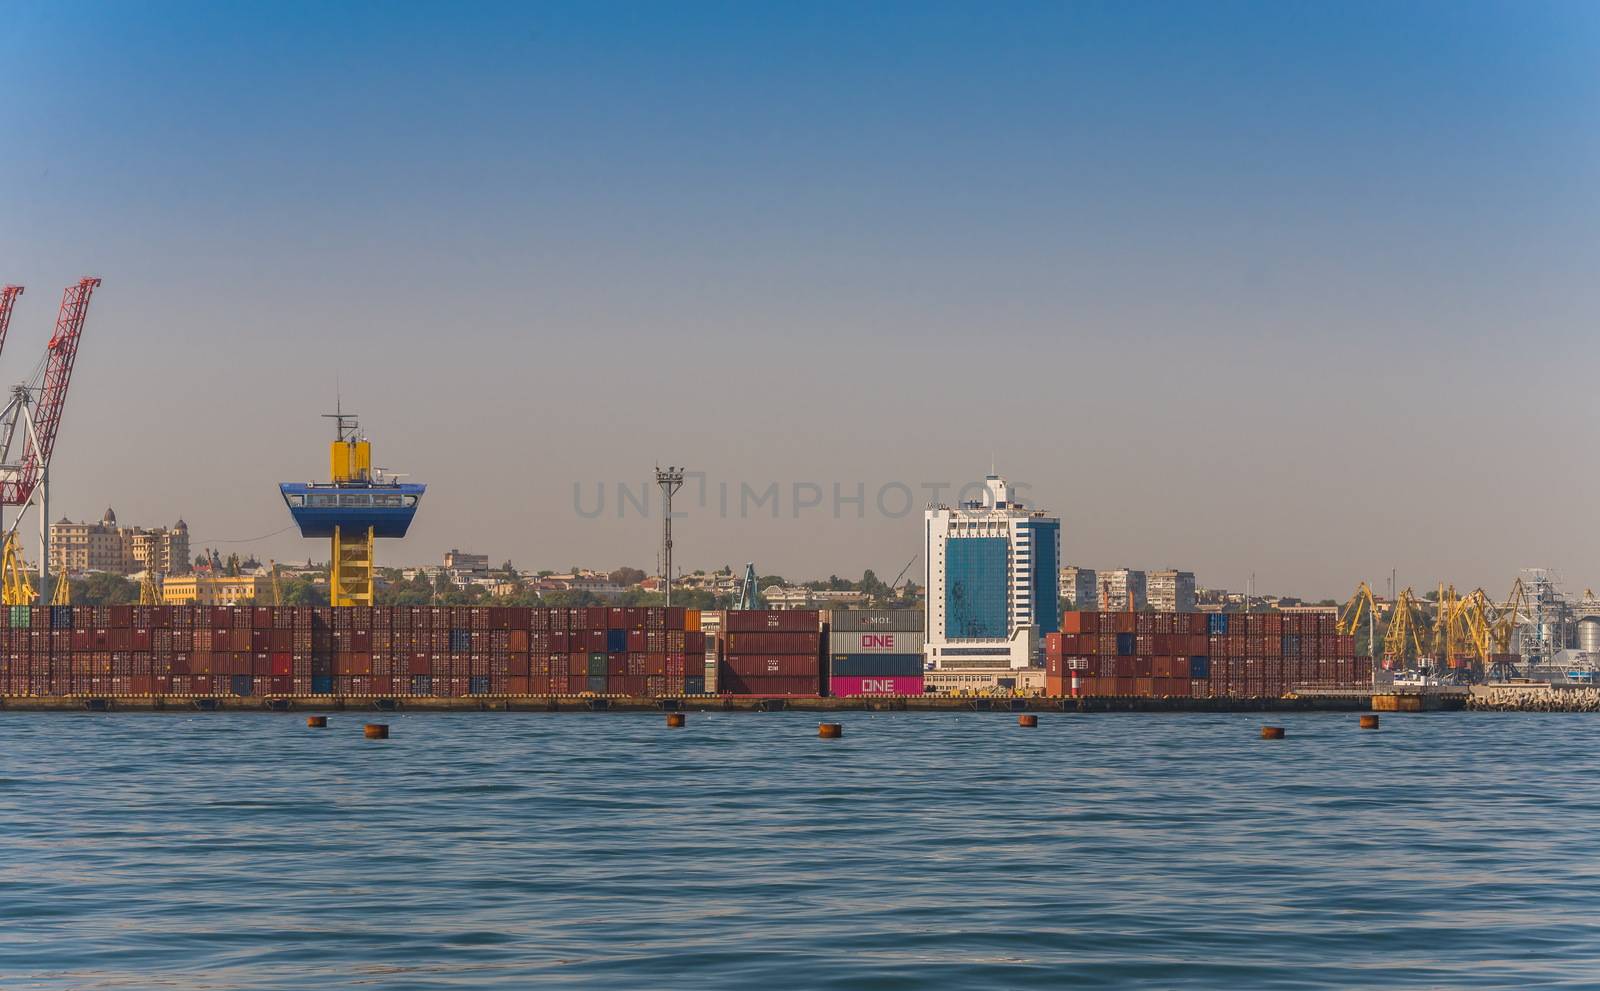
x=28, y=426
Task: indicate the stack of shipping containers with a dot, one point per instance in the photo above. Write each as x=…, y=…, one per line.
x=393, y=651
x=875, y=652
x=1215, y=655
x=771, y=653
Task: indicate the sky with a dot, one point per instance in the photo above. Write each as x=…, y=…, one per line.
x=1304, y=291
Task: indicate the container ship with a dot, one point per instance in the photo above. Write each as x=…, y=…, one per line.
x=644, y=652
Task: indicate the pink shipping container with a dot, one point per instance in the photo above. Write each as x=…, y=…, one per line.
x=879, y=685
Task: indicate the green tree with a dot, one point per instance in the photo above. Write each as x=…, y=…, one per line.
x=99, y=588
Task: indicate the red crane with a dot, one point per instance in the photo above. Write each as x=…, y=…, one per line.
x=8, y=299
x=63, y=350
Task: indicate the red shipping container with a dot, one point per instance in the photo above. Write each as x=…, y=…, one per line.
x=756, y=620
x=772, y=665
x=774, y=643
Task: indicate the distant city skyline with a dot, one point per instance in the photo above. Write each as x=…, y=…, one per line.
x=1298, y=291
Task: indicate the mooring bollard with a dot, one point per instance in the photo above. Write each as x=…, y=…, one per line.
x=830, y=731
x=317, y=722
x=1272, y=732
x=377, y=731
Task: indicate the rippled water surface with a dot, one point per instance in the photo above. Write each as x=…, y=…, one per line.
x=959, y=851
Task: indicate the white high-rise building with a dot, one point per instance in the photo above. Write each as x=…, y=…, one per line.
x=1119, y=586
x=992, y=575
x=1079, y=588
x=1170, y=591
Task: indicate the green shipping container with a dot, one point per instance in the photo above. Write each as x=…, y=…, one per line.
x=597, y=666
x=20, y=617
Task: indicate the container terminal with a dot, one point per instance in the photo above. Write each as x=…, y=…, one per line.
x=990, y=627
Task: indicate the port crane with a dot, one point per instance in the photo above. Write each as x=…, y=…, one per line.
x=28, y=426
x=1403, y=640
x=1361, y=605
x=749, y=594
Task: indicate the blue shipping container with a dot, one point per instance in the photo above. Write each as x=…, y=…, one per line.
x=694, y=686
x=460, y=641
x=61, y=617
x=479, y=685
x=242, y=684
x=1200, y=667
x=616, y=641
x=1125, y=644
x=421, y=684
x=322, y=684
x=876, y=665
x=597, y=684
x=1217, y=624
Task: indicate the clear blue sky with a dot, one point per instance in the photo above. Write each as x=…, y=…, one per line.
x=1300, y=289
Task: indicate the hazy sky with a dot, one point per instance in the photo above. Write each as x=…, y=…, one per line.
x=1307, y=290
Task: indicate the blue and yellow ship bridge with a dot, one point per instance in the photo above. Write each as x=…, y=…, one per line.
x=358, y=506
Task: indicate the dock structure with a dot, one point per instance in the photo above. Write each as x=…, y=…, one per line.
x=1533, y=697
x=699, y=703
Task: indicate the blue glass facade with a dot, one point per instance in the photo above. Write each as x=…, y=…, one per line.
x=977, y=599
x=1046, y=576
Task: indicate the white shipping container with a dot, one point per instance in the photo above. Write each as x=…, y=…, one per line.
x=876, y=642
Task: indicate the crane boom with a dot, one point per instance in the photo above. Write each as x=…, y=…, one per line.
x=62, y=352
x=8, y=299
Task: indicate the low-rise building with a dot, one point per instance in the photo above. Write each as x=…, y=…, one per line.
x=790, y=597
x=984, y=681
x=215, y=590
x=466, y=564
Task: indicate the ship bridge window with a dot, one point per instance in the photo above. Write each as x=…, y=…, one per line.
x=411, y=500
x=297, y=500
x=355, y=499
x=321, y=499
x=386, y=500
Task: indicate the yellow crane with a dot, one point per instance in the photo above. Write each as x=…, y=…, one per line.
x=1502, y=622
x=62, y=596
x=1476, y=622
x=16, y=583
x=1403, y=640
x=1460, y=638
x=1362, y=604
x=150, y=586
x=277, y=591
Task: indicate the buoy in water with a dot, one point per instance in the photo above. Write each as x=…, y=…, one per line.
x=830, y=731
x=674, y=719
x=317, y=722
x=1369, y=722
x=1028, y=719
x=1272, y=732
x=377, y=731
